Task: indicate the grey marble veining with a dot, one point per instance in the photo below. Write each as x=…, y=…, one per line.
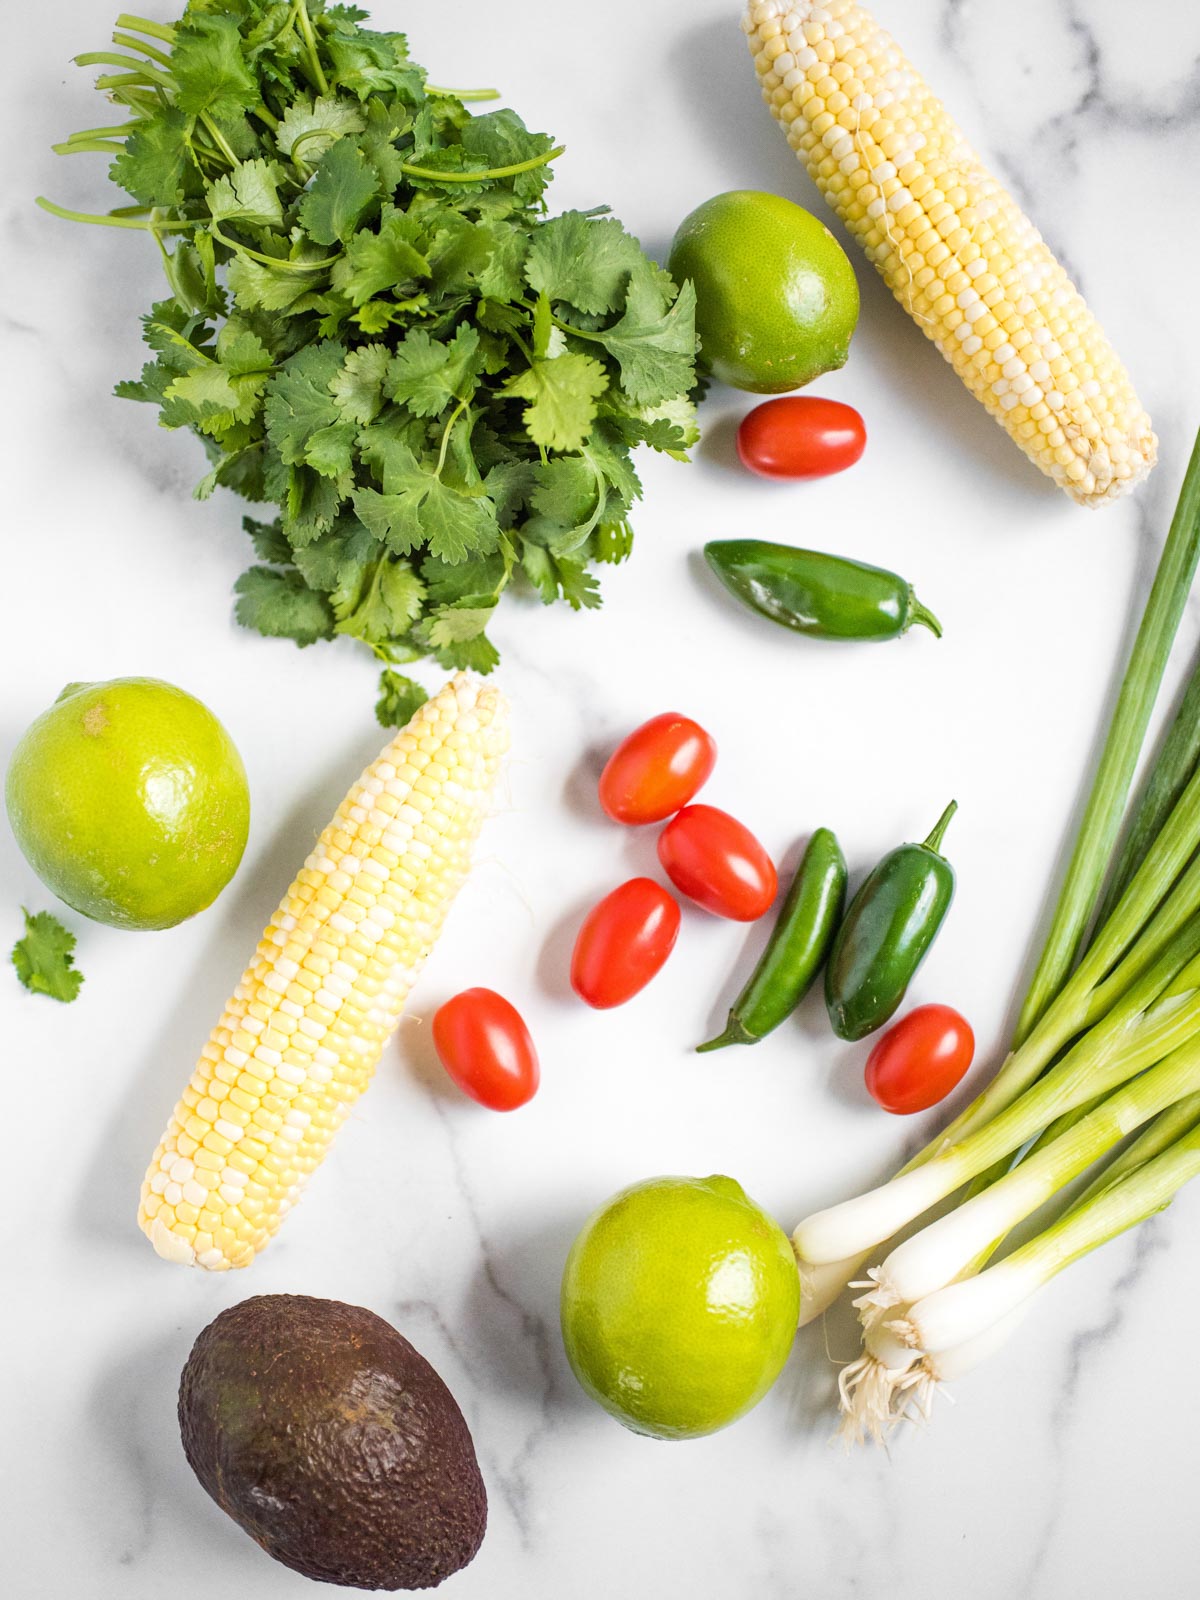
x=1059, y=1472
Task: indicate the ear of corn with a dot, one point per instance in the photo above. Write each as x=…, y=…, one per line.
x=951, y=243
x=299, y=1040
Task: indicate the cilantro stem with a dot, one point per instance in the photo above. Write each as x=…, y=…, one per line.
x=129, y=81
x=272, y=261
x=155, y=30
x=302, y=166
x=521, y=345
x=463, y=94
x=149, y=99
x=310, y=44
x=487, y=174
x=128, y=42
x=563, y=327
x=203, y=152
x=76, y=146
x=111, y=220
x=118, y=130
x=218, y=138
x=454, y=416
x=144, y=73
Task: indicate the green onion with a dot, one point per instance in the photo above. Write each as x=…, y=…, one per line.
x=961, y=1312
x=1173, y=769
x=1114, y=774
x=946, y=1249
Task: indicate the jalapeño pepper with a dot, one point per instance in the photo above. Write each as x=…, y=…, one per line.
x=825, y=596
x=891, y=922
x=798, y=944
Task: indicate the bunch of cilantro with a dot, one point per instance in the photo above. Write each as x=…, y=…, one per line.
x=375, y=328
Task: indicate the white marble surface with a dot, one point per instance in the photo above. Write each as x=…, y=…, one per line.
x=1064, y=1470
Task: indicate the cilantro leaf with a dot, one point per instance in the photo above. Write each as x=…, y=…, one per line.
x=508, y=250
x=567, y=490
x=560, y=577
x=388, y=259
x=313, y=502
x=358, y=388
x=308, y=127
x=468, y=655
x=419, y=509
x=429, y=382
x=562, y=395
x=538, y=566
x=209, y=68
x=155, y=158
x=330, y=450
x=342, y=191
x=610, y=457
x=218, y=394
x=468, y=582
x=501, y=139
x=655, y=348
x=373, y=63
x=451, y=625
x=671, y=427
x=579, y=589
x=338, y=557
x=44, y=958
x=427, y=376
x=583, y=260
x=399, y=699
x=509, y=485
x=613, y=541
x=381, y=606
x=281, y=605
x=258, y=287
x=249, y=195
x=268, y=541
x=299, y=400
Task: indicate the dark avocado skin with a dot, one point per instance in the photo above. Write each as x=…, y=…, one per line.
x=333, y=1443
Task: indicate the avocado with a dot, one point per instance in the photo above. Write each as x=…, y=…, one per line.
x=332, y=1443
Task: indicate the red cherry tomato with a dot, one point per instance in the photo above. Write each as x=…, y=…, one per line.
x=801, y=436
x=920, y=1059
x=716, y=861
x=485, y=1046
x=657, y=769
x=623, y=942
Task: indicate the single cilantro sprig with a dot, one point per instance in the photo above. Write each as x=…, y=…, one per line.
x=373, y=326
x=44, y=958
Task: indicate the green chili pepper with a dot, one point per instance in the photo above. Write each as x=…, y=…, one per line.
x=797, y=946
x=824, y=596
x=892, y=921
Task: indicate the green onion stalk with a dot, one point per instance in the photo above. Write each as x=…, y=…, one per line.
x=959, y=1312
x=1106, y=1043
x=887, y=1384
x=897, y=1373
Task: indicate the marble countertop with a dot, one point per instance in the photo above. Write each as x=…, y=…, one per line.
x=1056, y=1475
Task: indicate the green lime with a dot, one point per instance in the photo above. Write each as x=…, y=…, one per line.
x=776, y=297
x=680, y=1299
x=129, y=800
